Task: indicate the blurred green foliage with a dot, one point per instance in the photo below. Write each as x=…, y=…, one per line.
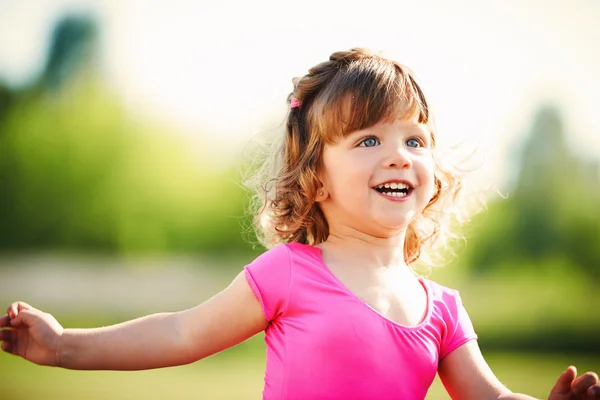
x=551, y=220
x=78, y=173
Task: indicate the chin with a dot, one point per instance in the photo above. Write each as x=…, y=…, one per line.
x=388, y=234
x=389, y=231
x=395, y=222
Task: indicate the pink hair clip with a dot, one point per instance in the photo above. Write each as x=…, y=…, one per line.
x=295, y=103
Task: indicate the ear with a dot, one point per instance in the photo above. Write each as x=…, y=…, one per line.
x=322, y=194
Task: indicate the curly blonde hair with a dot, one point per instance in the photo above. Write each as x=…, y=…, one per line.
x=353, y=90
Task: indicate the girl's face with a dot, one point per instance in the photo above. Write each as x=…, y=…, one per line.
x=377, y=180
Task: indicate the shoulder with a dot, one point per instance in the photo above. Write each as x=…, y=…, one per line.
x=286, y=253
x=446, y=302
x=439, y=292
x=269, y=278
x=270, y=275
x=450, y=316
x=277, y=253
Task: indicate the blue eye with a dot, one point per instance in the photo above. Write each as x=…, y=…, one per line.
x=413, y=143
x=369, y=142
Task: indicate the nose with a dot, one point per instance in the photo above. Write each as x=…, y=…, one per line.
x=398, y=158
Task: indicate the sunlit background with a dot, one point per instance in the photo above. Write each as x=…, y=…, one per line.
x=124, y=127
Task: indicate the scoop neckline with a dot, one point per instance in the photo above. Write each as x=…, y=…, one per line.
x=338, y=282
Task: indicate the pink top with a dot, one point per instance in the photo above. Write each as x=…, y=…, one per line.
x=323, y=342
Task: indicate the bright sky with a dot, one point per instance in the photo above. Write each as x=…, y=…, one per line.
x=226, y=67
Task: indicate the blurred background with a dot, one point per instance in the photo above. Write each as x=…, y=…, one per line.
x=124, y=127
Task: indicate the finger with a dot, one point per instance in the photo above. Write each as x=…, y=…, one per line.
x=24, y=317
x=7, y=335
x=8, y=347
x=594, y=392
x=563, y=383
x=4, y=321
x=583, y=383
x=17, y=307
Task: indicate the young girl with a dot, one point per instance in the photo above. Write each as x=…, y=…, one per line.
x=355, y=198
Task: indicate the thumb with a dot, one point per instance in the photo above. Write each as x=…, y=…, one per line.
x=563, y=384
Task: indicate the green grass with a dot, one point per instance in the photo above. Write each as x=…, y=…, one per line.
x=210, y=379
x=238, y=375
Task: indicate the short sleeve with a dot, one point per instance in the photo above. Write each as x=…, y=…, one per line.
x=459, y=326
x=269, y=277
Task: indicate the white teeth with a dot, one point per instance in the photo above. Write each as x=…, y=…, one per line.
x=394, y=185
x=395, y=194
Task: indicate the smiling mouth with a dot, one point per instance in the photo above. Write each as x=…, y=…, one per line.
x=394, y=189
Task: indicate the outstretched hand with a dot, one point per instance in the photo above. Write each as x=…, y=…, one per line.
x=570, y=387
x=30, y=333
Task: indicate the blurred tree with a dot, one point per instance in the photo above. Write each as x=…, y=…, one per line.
x=546, y=165
x=72, y=44
x=552, y=216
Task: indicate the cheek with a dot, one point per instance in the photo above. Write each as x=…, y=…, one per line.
x=428, y=178
x=343, y=183
x=343, y=174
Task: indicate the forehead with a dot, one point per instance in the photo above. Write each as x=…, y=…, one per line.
x=401, y=125
x=397, y=120
x=358, y=109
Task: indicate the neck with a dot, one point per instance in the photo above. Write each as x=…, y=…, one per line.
x=378, y=252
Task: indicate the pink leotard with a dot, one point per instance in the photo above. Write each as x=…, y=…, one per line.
x=323, y=342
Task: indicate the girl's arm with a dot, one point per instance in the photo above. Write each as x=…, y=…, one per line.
x=154, y=341
x=466, y=375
